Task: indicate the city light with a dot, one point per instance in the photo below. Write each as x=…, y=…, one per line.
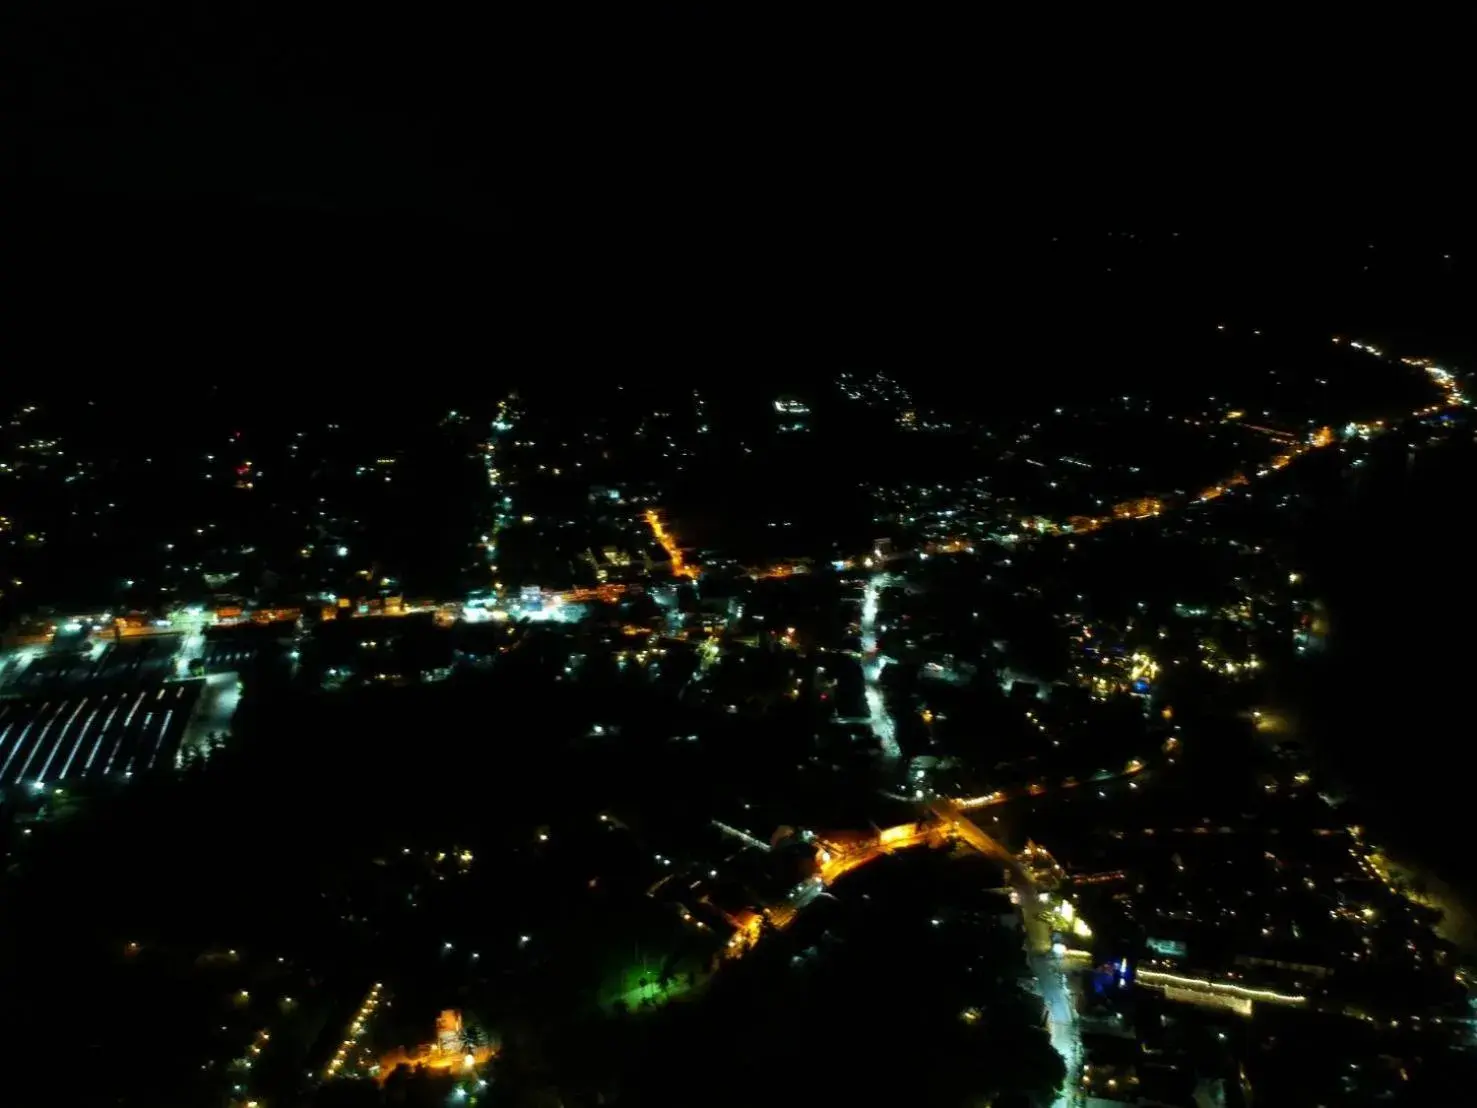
x=891, y=724
x=1155, y=977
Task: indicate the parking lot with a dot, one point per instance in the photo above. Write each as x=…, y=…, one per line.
x=244, y=646
x=48, y=739
x=129, y=662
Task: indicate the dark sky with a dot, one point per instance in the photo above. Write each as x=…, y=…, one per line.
x=227, y=102
x=663, y=188
x=611, y=121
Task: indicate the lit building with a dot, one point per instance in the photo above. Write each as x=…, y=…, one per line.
x=793, y=414
x=449, y=1052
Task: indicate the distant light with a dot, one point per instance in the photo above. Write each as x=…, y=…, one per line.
x=343, y=552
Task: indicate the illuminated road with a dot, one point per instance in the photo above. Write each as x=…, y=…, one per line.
x=881, y=723
x=1056, y=992
x=665, y=539
x=1148, y=507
